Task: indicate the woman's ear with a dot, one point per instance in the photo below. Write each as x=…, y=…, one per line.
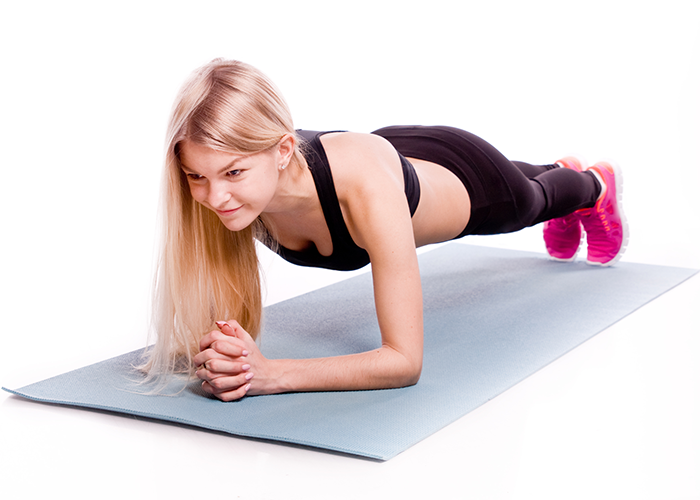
x=285, y=149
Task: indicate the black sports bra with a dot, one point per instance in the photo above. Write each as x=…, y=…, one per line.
x=346, y=254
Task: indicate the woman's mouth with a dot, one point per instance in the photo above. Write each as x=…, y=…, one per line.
x=226, y=213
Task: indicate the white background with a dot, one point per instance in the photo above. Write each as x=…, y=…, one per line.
x=86, y=90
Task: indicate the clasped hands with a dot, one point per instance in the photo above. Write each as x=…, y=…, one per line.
x=228, y=361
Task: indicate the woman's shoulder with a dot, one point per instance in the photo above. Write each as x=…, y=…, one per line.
x=354, y=140
x=362, y=163
x=358, y=152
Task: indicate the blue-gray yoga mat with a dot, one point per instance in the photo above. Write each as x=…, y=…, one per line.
x=492, y=318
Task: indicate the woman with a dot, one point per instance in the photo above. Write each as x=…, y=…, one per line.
x=236, y=170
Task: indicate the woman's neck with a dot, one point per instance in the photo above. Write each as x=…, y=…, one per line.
x=295, y=194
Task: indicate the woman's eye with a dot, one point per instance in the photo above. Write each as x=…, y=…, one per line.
x=233, y=173
x=194, y=177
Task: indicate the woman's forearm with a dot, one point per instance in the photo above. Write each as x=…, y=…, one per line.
x=381, y=368
x=231, y=365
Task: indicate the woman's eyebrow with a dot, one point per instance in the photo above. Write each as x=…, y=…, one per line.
x=230, y=164
x=224, y=169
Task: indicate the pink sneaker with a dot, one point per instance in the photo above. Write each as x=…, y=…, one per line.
x=563, y=236
x=605, y=224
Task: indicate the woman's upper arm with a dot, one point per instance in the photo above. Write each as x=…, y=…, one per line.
x=369, y=181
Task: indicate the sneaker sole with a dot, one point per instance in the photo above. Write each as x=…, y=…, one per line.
x=573, y=257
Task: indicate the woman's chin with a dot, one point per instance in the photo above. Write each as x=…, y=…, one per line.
x=237, y=224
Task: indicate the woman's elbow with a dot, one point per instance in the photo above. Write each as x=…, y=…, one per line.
x=409, y=374
x=402, y=369
x=414, y=375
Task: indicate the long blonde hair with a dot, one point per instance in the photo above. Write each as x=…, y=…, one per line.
x=207, y=272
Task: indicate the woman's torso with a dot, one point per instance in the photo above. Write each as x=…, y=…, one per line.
x=441, y=214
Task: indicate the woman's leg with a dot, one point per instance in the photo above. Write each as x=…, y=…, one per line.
x=565, y=192
x=520, y=194
x=562, y=188
x=532, y=171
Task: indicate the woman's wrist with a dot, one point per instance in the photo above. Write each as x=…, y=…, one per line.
x=273, y=380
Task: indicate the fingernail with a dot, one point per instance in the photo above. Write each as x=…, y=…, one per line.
x=245, y=368
x=221, y=324
x=247, y=388
x=248, y=376
x=244, y=353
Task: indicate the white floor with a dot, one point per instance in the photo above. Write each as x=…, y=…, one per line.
x=86, y=90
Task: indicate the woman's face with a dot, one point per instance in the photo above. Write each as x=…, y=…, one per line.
x=237, y=187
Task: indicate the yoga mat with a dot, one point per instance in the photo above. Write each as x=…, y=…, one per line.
x=492, y=318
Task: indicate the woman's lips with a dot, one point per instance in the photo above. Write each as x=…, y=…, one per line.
x=224, y=213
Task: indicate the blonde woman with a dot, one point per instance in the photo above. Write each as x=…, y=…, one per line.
x=236, y=170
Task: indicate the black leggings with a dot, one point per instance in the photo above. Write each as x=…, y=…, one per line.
x=505, y=196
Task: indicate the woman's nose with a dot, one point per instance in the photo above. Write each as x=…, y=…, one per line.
x=219, y=195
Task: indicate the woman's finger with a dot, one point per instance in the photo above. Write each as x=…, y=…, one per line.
x=227, y=396
x=225, y=366
x=226, y=381
x=207, y=355
x=226, y=328
x=228, y=348
x=215, y=335
x=228, y=385
x=234, y=329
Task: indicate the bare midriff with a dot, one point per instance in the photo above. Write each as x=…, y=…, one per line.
x=444, y=208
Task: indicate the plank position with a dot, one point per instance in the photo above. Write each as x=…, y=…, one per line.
x=236, y=170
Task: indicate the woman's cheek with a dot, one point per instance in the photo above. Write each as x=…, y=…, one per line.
x=198, y=192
